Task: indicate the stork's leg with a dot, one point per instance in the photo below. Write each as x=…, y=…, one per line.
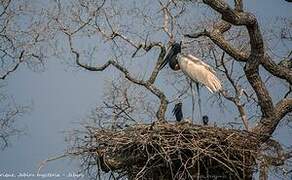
x=193, y=100
x=199, y=100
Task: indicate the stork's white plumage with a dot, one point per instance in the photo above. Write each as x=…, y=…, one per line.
x=195, y=69
x=199, y=72
x=192, y=67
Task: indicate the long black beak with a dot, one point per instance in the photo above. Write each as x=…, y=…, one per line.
x=171, y=55
x=165, y=61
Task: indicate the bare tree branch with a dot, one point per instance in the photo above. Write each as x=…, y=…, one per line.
x=269, y=124
x=5, y=7
x=216, y=35
x=237, y=18
x=167, y=20
x=277, y=70
x=236, y=98
x=149, y=84
x=257, y=46
x=270, y=115
x=20, y=60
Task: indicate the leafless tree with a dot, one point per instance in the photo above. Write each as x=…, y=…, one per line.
x=9, y=114
x=137, y=36
x=231, y=40
x=23, y=33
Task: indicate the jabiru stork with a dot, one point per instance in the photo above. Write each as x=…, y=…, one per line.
x=197, y=70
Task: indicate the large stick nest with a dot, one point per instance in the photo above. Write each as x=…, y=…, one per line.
x=174, y=151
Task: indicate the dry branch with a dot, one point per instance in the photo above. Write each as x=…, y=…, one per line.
x=148, y=84
x=20, y=60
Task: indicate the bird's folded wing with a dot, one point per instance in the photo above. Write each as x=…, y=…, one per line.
x=198, y=61
x=201, y=73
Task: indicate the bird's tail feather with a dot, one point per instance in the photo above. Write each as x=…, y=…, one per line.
x=214, y=84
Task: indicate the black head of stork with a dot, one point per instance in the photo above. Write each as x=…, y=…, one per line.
x=177, y=111
x=171, y=57
x=205, y=120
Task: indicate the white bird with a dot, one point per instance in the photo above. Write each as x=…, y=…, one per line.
x=193, y=67
x=199, y=72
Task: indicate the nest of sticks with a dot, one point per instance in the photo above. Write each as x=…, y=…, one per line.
x=174, y=151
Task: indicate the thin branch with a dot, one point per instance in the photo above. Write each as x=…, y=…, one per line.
x=44, y=162
x=167, y=20
x=5, y=7
x=147, y=84
x=20, y=60
x=279, y=157
x=216, y=35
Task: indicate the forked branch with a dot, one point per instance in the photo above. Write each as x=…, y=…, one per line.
x=20, y=60
x=148, y=84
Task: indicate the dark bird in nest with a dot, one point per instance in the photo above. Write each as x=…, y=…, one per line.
x=177, y=112
x=205, y=120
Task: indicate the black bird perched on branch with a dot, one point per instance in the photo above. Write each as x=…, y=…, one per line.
x=205, y=120
x=177, y=112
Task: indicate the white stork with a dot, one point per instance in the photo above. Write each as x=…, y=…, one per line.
x=193, y=67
